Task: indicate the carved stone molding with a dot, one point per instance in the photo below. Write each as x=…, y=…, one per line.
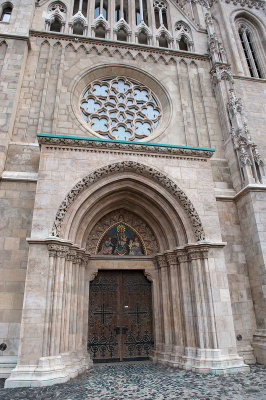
x=161, y=261
x=244, y=3
x=121, y=146
x=171, y=258
x=125, y=50
x=221, y=72
x=68, y=251
x=142, y=170
x=182, y=256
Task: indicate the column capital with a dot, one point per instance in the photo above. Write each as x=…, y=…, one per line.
x=161, y=260
x=171, y=258
x=182, y=256
x=58, y=250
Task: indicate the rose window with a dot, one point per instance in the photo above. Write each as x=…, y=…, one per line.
x=120, y=108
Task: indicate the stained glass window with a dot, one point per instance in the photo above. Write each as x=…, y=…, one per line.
x=120, y=108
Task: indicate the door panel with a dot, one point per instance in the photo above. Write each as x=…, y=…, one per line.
x=120, y=316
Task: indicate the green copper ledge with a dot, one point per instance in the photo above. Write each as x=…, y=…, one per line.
x=125, y=142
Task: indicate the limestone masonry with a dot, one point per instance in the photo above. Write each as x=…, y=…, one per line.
x=132, y=138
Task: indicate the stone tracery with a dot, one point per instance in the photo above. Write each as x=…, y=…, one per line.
x=120, y=108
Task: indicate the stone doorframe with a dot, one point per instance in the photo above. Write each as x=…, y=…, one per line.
x=193, y=325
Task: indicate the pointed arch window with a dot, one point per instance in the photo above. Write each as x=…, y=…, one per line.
x=121, y=10
x=56, y=25
x=78, y=28
x=80, y=5
x=141, y=11
x=122, y=35
x=101, y=8
x=163, y=42
x=100, y=31
x=183, y=44
x=143, y=37
x=160, y=10
x=6, y=13
x=251, y=46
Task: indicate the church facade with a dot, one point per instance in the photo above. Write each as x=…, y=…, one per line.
x=133, y=191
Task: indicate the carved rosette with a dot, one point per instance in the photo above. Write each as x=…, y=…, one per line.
x=140, y=169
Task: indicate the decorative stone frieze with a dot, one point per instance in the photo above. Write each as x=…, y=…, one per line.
x=87, y=143
x=141, y=169
x=258, y=4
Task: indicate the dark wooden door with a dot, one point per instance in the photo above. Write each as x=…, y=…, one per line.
x=120, y=316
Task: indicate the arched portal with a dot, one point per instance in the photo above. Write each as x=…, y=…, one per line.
x=127, y=217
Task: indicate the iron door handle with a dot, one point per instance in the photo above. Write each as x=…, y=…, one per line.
x=124, y=330
x=117, y=330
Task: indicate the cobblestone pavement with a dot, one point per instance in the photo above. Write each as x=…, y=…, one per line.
x=147, y=381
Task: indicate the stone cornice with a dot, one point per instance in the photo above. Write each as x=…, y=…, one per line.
x=12, y=36
x=105, y=43
x=249, y=78
x=125, y=146
x=258, y=4
x=250, y=188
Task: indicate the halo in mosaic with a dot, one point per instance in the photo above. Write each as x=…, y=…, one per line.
x=120, y=109
x=122, y=240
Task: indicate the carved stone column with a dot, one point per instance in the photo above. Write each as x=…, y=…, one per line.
x=186, y=288
x=197, y=299
x=57, y=315
x=176, y=306
x=52, y=350
x=166, y=311
x=157, y=313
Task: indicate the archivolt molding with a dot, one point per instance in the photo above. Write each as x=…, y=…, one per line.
x=140, y=169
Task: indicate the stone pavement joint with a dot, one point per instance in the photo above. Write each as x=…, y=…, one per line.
x=148, y=381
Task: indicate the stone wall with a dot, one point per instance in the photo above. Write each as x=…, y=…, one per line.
x=238, y=279
x=16, y=207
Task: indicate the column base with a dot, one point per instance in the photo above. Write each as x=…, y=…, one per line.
x=209, y=361
x=259, y=346
x=247, y=352
x=7, y=364
x=50, y=370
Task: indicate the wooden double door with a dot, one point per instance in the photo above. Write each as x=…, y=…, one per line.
x=120, y=317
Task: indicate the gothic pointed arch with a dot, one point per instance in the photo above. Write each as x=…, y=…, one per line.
x=79, y=24
x=142, y=170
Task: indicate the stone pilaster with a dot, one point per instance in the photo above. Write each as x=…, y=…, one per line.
x=176, y=305
x=166, y=310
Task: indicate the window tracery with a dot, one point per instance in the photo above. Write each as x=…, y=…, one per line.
x=56, y=17
x=251, y=46
x=160, y=9
x=120, y=108
x=183, y=36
